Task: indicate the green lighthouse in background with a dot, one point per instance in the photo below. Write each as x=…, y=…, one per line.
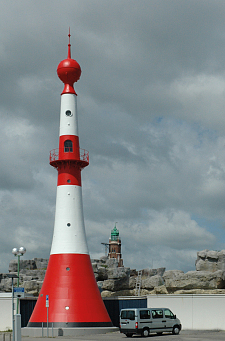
x=115, y=246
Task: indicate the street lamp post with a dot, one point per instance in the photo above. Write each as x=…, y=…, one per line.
x=18, y=252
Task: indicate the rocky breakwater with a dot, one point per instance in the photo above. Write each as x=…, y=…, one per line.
x=122, y=281
x=112, y=280
x=32, y=273
x=208, y=278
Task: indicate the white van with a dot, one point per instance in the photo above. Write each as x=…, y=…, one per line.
x=148, y=320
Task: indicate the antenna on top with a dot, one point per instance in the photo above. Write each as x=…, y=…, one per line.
x=69, y=45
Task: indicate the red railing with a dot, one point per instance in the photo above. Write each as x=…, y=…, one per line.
x=54, y=155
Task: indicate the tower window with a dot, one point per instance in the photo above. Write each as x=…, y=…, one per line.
x=68, y=146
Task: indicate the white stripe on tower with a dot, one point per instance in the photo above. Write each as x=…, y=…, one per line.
x=68, y=115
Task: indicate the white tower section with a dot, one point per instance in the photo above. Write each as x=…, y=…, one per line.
x=69, y=231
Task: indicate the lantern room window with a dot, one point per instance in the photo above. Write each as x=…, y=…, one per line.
x=68, y=146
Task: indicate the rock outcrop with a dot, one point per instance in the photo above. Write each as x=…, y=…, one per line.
x=112, y=280
x=210, y=261
x=193, y=280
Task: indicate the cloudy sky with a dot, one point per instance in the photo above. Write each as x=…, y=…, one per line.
x=151, y=103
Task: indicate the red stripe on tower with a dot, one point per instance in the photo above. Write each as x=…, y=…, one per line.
x=74, y=297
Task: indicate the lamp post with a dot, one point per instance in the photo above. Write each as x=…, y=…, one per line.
x=18, y=252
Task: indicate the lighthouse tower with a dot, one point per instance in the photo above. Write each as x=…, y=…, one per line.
x=69, y=289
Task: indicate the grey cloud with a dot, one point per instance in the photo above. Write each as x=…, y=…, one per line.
x=151, y=107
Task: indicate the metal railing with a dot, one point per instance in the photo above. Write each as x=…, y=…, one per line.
x=54, y=155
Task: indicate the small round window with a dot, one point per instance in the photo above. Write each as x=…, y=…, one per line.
x=68, y=113
x=68, y=224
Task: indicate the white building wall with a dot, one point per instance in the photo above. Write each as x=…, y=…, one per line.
x=199, y=312
x=6, y=311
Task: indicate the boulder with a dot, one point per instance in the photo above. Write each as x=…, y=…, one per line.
x=170, y=274
x=159, y=290
x=95, y=260
x=6, y=284
x=100, y=284
x=95, y=267
x=210, y=260
x=199, y=292
x=24, y=264
x=24, y=278
x=107, y=293
x=41, y=263
x=133, y=272
x=123, y=293
x=102, y=274
x=112, y=263
x=153, y=272
x=30, y=286
x=116, y=284
x=115, y=273
x=132, y=282
x=151, y=282
x=39, y=285
x=103, y=259
x=108, y=285
x=35, y=274
x=195, y=280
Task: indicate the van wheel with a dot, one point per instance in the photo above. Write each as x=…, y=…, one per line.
x=145, y=332
x=129, y=334
x=176, y=330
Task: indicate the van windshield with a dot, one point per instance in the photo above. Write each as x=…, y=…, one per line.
x=127, y=314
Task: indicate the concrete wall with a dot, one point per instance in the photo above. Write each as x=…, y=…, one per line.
x=199, y=312
x=6, y=311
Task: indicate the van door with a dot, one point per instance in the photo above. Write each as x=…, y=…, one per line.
x=127, y=319
x=170, y=319
x=158, y=320
x=145, y=319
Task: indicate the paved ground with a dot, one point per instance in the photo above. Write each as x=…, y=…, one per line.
x=117, y=336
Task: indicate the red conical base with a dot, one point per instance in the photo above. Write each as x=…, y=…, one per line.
x=74, y=297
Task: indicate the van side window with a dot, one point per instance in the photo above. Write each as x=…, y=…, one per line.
x=168, y=314
x=144, y=314
x=157, y=314
x=127, y=314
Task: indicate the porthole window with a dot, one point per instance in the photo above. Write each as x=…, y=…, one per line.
x=68, y=224
x=68, y=113
x=67, y=269
x=67, y=308
x=68, y=182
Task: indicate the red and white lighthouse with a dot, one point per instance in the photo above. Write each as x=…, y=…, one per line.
x=69, y=286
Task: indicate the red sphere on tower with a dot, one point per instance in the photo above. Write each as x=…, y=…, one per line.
x=69, y=72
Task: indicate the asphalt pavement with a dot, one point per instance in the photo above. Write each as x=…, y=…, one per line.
x=184, y=335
